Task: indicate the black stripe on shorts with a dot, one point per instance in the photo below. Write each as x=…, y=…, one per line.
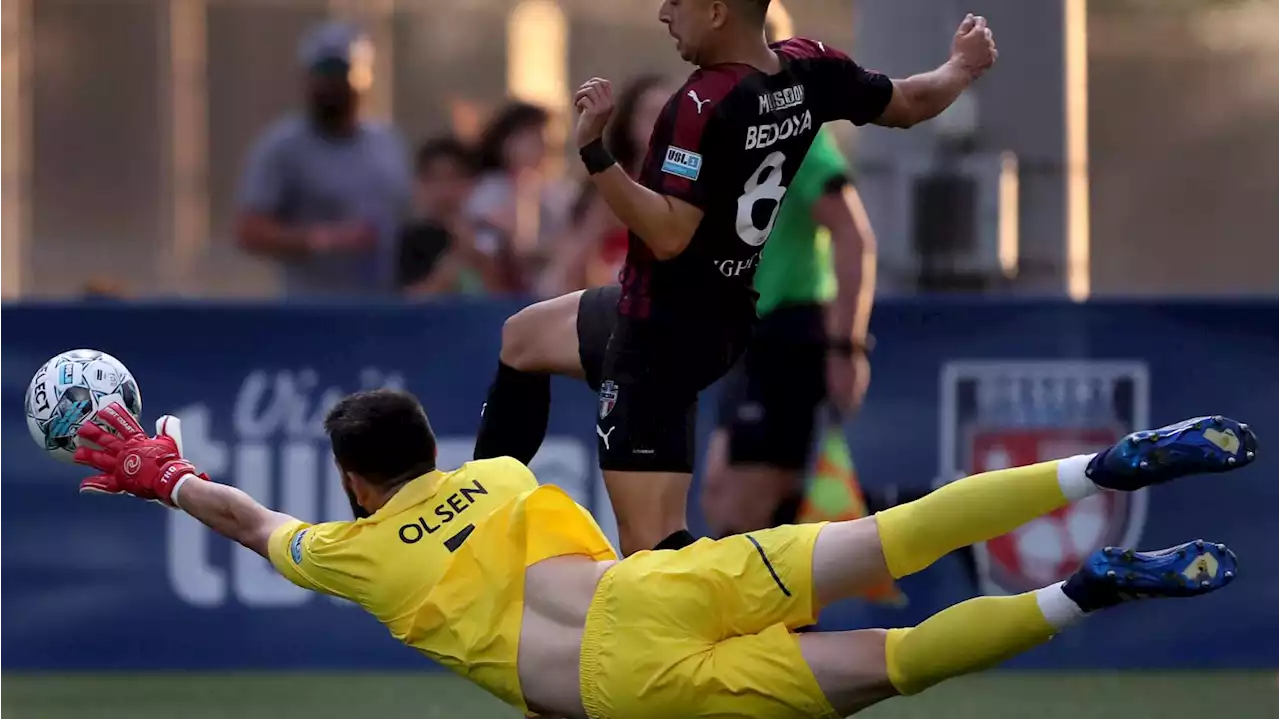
x=769, y=565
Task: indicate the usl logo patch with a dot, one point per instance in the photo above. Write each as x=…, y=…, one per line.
x=682, y=163
x=295, y=547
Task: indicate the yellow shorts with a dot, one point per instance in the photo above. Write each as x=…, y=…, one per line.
x=705, y=631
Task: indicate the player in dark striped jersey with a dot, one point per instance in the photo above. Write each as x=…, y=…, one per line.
x=721, y=157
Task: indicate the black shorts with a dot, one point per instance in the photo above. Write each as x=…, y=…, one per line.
x=770, y=401
x=648, y=377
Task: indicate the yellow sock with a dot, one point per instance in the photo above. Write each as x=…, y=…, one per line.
x=974, y=509
x=968, y=637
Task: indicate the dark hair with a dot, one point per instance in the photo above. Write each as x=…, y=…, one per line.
x=617, y=136
x=759, y=7
x=445, y=147
x=510, y=120
x=382, y=435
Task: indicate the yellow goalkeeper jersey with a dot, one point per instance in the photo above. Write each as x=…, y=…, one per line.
x=441, y=565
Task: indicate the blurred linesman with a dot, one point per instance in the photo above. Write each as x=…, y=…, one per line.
x=806, y=366
x=324, y=192
x=816, y=285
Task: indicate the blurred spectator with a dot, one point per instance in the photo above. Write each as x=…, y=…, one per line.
x=324, y=192
x=514, y=208
x=437, y=250
x=594, y=249
x=104, y=287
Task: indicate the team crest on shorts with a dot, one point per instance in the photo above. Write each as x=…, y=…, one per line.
x=999, y=414
x=608, y=397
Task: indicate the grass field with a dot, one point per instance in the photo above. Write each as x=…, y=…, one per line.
x=1236, y=695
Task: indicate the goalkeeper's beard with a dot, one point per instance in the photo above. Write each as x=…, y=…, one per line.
x=356, y=509
x=359, y=511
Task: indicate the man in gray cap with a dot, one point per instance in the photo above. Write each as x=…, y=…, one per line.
x=324, y=192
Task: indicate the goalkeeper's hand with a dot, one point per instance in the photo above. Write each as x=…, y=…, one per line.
x=132, y=463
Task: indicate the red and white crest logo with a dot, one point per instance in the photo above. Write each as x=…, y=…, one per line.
x=998, y=415
x=608, y=397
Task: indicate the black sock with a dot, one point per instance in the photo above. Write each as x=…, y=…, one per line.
x=677, y=540
x=513, y=422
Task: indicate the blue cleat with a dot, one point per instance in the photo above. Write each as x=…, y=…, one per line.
x=1111, y=576
x=1196, y=446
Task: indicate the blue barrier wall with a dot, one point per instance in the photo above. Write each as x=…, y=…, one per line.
x=96, y=583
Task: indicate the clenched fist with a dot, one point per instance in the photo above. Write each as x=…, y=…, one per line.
x=973, y=47
x=594, y=101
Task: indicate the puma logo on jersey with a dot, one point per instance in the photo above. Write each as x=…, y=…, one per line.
x=694, y=96
x=605, y=435
x=761, y=136
x=783, y=99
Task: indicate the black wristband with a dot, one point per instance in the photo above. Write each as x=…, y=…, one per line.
x=836, y=184
x=596, y=157
x=847, y=347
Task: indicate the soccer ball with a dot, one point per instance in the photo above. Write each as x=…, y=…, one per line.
x=69, y=389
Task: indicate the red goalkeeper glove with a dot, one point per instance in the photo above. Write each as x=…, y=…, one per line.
x=132, y=463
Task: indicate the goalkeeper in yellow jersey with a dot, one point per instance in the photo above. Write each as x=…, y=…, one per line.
x=513, y=585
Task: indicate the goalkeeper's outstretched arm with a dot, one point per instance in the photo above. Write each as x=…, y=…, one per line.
x=229, y=512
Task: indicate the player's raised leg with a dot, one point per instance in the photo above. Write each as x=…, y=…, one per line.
x=850, y=556
x=537, y=342
x=857, y=669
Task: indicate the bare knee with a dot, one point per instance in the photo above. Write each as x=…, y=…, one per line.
x=745, y=498
x=519, y=339
x=718, y=499
x=851, y=667
x=543, y=337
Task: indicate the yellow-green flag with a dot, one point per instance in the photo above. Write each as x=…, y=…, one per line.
x=833, y=494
